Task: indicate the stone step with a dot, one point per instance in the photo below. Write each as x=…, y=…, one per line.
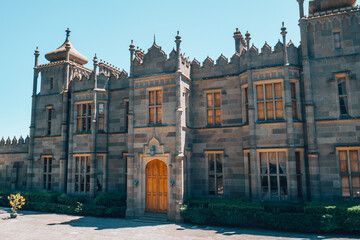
x=153, y=218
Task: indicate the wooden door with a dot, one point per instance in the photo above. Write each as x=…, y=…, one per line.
x=156, y=187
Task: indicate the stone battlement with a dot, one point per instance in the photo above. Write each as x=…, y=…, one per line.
x=251, y=59
x=333, y=12
x=14, y=145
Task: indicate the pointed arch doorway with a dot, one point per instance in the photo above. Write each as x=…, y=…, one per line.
x=156, y=187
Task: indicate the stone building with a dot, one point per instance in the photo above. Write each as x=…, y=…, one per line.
x=281, y=123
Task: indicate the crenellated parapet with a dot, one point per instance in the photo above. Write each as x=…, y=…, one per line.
x=111, y=77
x=251, y=59
x=14, y=145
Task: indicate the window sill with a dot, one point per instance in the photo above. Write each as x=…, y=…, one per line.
x=82, y=133
x=270, y=121
x=345, y=116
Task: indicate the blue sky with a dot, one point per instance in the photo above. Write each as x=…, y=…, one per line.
x=107, y=27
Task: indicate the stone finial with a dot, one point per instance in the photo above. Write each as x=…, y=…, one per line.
x=21, y=139
x=36, y=53
x=67, y=33
x=14, y=141
x=8, y=141
x=2, y=142
x=132, y=46
x=247, y=38
x=95, y=59
x=283, y=30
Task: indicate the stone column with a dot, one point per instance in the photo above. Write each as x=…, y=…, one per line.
x=290, y=129
x=311, y=138
x=30, y=159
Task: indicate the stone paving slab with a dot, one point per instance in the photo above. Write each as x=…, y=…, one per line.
x=35, y=225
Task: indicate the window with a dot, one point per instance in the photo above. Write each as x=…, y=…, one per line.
x=49, y=118
x=100, y=173
x=215, y=171
x=337, y=40
x=293, y=100
x=101, y=116
x=269, y=101
x=47, y=160
x=84, y=117
x=213, y=108
x=343, y=96
x=249, y=173
x=155, y=107
x=82, y=174
x=51, y=83
x=350, y=173
x=273, y=175
x=246, y=101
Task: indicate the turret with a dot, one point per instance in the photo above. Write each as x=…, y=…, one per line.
x=178, y=50
x=301, y=8
x=240, y=43
x=324, y=5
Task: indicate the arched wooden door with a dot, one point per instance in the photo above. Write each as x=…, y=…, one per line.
x=156, y=187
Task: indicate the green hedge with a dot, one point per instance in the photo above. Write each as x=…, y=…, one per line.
x=314, y=217
x=106, y=204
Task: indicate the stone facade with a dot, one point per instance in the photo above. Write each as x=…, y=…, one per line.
x=278, y=123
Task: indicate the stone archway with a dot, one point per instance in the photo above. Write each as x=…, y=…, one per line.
x=156, y=187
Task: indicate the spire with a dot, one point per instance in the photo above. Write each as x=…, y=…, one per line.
x=154, y=39
x=283, y=33
x=36, y=53
x=301, y=8
x=240, y=43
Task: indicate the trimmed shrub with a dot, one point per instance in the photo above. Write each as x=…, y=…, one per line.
x=70, y=201
x=110, y=200
x=312, y=217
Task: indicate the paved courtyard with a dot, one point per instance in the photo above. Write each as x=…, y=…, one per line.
x=35, y=225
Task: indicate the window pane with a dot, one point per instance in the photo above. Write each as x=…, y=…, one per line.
x=87, y=183
x=211, y=185
x=87, y=165
x=49, y=182
x=354, y=161
x=101, y=123
x=88, y=123
x=293, y=91
x=76, y=183
x=278, y=90
x=210, y=113
x=82, y=180
x=209, y=98
x=89, y=109
x=342, y=86
x=261, y=112
x=50, y=164
x=45, y=165
x=217, y=116
x=99, y=163
x=83, y=109
x=217, y=99
x=218, y=163
x=345, y=186
x=274, y=191
x=79, y=109
x=220, y=186
x=343, y=161
x=82, y=165
x=211, y=163
x=77, y=169
x=158, y=97
x=151, y=115
x=268, y=89
x=78, y=124
x=282, y=163
x=49, y=114
x=283, y=187
x=83, y=124
x=44, y=181
x=356, y=186
x=152, y=98
x=101, y=108
x=263, y=162
x=265, y=187
x=159, y=114
x=259, y=92
x=279, y=109
x=99, y=183
x=294, y=109
x=272, y=162
x=246, y=95
x=343, y=105
x=270, y=110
